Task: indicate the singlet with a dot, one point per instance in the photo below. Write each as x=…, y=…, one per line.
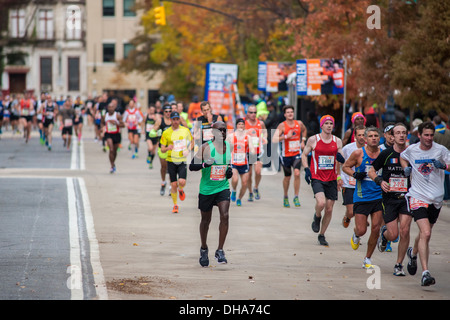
x=111, y=123
x=291, y=147
x=348, y=181
x=180, y=139
x=392, y=173
x=240, y=150
x=49, y=111
x=254, y=131
x=214, y=178
x=26, y=107
x=131, y=117
x=367, y=189
x=149, y=123
x=323, y=161
x=206, y=127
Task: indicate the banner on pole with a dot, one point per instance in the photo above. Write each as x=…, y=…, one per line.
x=320, y=76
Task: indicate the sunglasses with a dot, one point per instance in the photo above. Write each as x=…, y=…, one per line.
x=251, y=112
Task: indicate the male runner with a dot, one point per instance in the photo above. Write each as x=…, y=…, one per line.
x=292, y=135
x=162, y=123
x=177, y=142
x=213, y=159
x=326, y=155
x=133, y=118
x=67, y=114
x=49, y=113
x=367, y=195
x=151, y=137
x=112, y=122
x=426, y=162
x=394, y=185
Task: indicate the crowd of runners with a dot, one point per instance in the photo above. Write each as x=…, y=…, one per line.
x=393, y=183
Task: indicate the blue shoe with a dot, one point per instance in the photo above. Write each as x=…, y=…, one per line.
x=388, y=247
x=250, y=197
x=286, y=203
x=296, y=202
x=238, y=202
x=256, y=192
x=233, y=196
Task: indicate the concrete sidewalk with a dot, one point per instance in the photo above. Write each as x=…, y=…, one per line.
x=149, y=253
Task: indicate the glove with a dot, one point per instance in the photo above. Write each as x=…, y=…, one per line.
x=308, y=175
x=407, y=171
x=153, y=133
x=229, y=173
x=439, y=164
x=340, y=158
x=359, y=175
x=208, y=163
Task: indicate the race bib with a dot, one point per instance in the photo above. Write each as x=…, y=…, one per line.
x=112, y=126
x=352, y=181
x=326, y=162
x=148, y=127
x=415, y=204
x=25, y=112
x=255, y=141
x=68, y=122
x=179, y=145
x=218, y=172
x=239, y=158
x=207, y=134
x=294, y=146
x=398, y=184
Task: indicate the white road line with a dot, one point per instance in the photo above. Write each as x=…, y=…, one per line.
x=75, y=281
x=97, y=269
x=73, y=162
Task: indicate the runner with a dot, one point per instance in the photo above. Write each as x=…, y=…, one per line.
x=133, y=118
x=426, y=163
x=394, y=185
x=240, y=147
x=388, y=136
x=162, y=124
x=27, y=112
x=348, y=182
x=358, y=119
x=40, y=118
x=213, y=159
x=177, y=142
x=256, y=129
x=367, y=195
x=49, y=113
x=67, y=114
x=78, y=106
x=326, y=153
x=292, y=135
x=112, y=122
x=151, y=137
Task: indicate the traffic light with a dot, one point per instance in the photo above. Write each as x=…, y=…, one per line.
x=160, y=15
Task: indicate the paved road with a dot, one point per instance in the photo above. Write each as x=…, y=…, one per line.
x=138, y=250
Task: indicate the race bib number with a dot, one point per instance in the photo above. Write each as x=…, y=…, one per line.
x=398, y=184
x=207, y=134
x=415, y=204
x=239, y=158
x=179, y=145
x=148, y=127
x=218, y=172
x=294, y=146
x=25, y=112
x=326, y=162
x=68, y=122
x=352, y=181
x=112, y=127
x=255, y=141
x=49, y=115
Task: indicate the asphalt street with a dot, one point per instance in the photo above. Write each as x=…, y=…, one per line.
x=64, y=209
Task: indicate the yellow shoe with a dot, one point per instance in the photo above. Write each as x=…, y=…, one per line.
x=355, y=245
x=367, y=263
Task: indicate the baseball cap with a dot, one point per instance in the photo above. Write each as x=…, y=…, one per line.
x=174, y=114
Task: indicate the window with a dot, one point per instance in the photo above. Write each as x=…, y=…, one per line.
x=45, y=24
x=17, y=18
x=127, y=47
x=128, y=8
x=46, y=73
x=108, y=8
x=109, y=52
x=74, y=74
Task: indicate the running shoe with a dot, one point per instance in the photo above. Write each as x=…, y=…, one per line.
x=412, y=263
x=163, y=189
x=204, y=260
x=355, y=241
x=49, y=147
x=238, y=202
x=382, y=241
x=388, y=247
x=322, y=241
x=148, y=160
x=316, y=223
x=256, y=192
x=398, y=270
x=175, y=209
x=427, y=279
x=150, y=165
x=345, y=222
x=286, y=203
x=134, y=156
x=233, y=196
x=396, y=240
x=250, y=197
x=112, y=170
x=296, y=201
x=367, y=263
x=220, y=256
x=182, y=195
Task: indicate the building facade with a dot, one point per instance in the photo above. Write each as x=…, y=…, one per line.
x=111, y=24
x=44, y=48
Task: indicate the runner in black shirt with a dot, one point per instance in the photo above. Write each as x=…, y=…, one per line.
x=394, y=185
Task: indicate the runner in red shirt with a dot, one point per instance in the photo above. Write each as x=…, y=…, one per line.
x=326, y=150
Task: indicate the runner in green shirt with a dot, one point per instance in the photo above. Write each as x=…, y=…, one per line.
x=213, y=159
